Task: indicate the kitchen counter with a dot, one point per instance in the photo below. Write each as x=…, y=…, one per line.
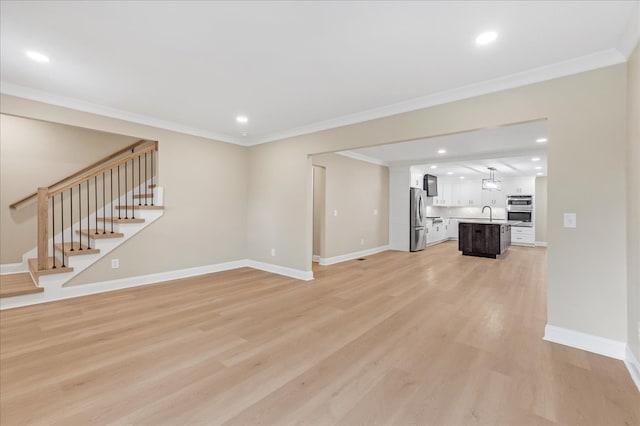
x=494, y=221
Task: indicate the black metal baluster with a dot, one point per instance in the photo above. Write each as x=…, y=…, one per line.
x=104, y=206
x=133, y=191
x=53, y=230
x=139, y=181
x=152, y=178
x=119, y=215
x=80, y=214
x=146, y=185
x=88, y=223
x=111, y=191
x=62, y=215
x=126, y=208
x=71, y=201
x=95, y=202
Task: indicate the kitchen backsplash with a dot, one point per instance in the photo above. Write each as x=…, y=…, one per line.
x=446, y=212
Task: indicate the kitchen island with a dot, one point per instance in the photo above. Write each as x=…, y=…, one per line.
x=484, y=238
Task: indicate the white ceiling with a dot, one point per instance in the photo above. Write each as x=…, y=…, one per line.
x=509, y=149
x=294, y=67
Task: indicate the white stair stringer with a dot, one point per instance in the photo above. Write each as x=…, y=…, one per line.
x=54, y=283
x=107, y=245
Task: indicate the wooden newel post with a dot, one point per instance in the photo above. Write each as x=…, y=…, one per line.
x=43, y=228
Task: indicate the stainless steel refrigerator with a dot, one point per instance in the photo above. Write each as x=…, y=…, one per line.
x=417, y=212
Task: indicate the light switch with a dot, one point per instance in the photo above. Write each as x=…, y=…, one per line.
x=335, y=212
x=570, y=220
x=375, y=212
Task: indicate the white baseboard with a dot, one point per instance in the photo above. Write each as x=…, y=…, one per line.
x=541, y=243
x=633, y=365
x=13, y=268
x=324, y=261
x=587, y=342
x=316, y=258
x=52, y=294
x=281, y=270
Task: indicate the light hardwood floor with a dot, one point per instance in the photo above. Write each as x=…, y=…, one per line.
x=429, y=338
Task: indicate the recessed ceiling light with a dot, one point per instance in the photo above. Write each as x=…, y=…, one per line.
x=442, y=151
x=434, y=167
x=535, y=159
x=538, y=167
x=539, y=174
x=242, y=119
x=244, y=133
x=486, y=38
x=461, y=177
x=37, y=56
x=449, y=173
x=541, y=140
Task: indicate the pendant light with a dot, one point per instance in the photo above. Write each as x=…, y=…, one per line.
x=492, y=184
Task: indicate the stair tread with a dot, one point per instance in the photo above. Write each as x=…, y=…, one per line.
x=91, y=233
x=121, y=220
x=78, y=249
x=140, y=207
x=17, y=285
x=33, y=267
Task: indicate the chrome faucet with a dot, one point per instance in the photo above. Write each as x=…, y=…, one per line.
x=490, y=212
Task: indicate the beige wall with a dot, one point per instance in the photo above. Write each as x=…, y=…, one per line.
x=205, y=186
x=587, y=127
x=318, y=210
x=359, y=192
x=34, y=154
x=633, y=201
x=541, y=209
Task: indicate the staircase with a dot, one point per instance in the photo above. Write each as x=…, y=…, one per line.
x=87, y=215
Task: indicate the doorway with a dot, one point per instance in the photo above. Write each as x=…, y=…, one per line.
x=319, y=179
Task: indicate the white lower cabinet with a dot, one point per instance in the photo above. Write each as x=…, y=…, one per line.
x=523, y=236
x=452, y=229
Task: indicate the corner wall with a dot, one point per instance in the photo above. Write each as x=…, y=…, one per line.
x=541, y=209
x=359, y=192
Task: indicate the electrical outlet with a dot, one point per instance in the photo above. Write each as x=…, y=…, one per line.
x=361, y=241
x=115, y=263
x=570, y=220
x=335, y=212
x=375, y=212
x=273, y=252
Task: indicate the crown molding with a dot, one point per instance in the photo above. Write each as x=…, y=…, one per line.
x=560, y=69
x=362, y=157
x=11, y=89
x=589, y=62
x=631, y=34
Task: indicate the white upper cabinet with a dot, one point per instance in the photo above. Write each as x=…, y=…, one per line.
x=519, y=186
x=468, y=193
x=494, y=198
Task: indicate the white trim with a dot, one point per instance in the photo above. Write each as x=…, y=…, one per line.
x=324, y=261
x=633, y=365
x=52, y=294
x=84, y=106
x=281, y=270
x=361, y=157
x=587, y=342
x=541, y=244
x=315, y=258
x=13, y=268
x=584, y=63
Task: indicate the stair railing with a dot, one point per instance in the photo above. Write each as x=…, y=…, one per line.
x=101, y=180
